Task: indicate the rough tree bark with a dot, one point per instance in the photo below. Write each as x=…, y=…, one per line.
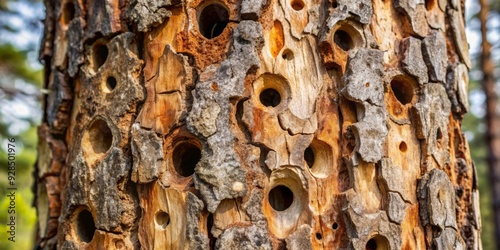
x=254, y=124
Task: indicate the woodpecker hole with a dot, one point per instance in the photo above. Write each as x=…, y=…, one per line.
x=402, y=90
x=270, y=97
x=68, y=12
x=185, y=157
x=99, y=55
x=162, y=219
x=85, y=226
x=280, y=198
x=297, y=4
x=212, y=20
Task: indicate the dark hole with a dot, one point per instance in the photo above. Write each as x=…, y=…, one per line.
x=162, y=219
x=403, y=147
x=68, y=12
x=186, y=156
x=280, y=198
x=212, y=20
x=319, y=236
x=287, y=54
x=85, y=226
x=297, y=4
x=335, y=226
x=100, y=55
x=270, y=98
x=402, y=91
x=335, y=4
x=111, y=83
x=343, y=40
x=371, y=245
x=309, y=156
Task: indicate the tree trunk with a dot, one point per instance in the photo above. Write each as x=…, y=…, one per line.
x=253, y=124
x=491, y=117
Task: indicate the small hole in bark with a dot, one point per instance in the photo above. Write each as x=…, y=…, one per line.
x=110, y=84
x=343, y=40
x=68, y=12
x=280, y=198
x=99, y=55
x=439, y=138
x=335, y=4
x=297, y=4
x=162, y=219
x=378, y=242
x=96, y=140
x=212, y=20
x=335, y=226
x=185, y=157
x=402, y=90
x=287, y=54
x=270, y=97
x=309, y=156
x=403, y=147
x=119, y=244
x=85, y=226
x=319, y=236
x=429, y=4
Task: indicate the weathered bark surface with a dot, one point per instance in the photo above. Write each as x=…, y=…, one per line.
x=253, y=124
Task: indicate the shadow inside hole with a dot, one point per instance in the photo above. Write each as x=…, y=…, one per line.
x=402, y=90
x=343, y=40
x=85, y=226
x=403, y=147
x=429, y=4
x=270, y=97
x=287, y=54
x=319, y=236
x=111, y=83
x=185, y=157
x=280, y=198
x=212, y=20
x=68, y=12
x=309, y=156
x=335, y=226
x=162, y=219
x=99, y=55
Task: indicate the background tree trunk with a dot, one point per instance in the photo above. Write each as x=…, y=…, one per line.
x=492, y=119
x=253, y=124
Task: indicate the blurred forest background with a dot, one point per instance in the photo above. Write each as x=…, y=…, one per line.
x=21, y=96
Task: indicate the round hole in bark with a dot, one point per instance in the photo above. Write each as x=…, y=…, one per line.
x=110, y=84
x=402, y=90
x=319, y=236
x=378, y=242
x=185, y=157
x=85, y=226
x=287, y=54
x=343, y=40
x=297, y=4
x=99, y=55
x=270, y=97
x=319, y=158
x=403, y=147
x=162, y=219
x=280, y=198
x=309, y=156
x=68, y=12
x=97, y=140
x=335, y=226
x=212, y=20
